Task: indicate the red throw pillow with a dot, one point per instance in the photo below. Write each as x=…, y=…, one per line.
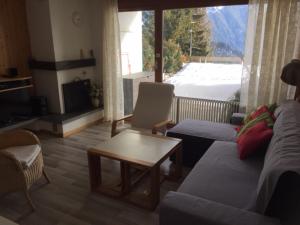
x=259, y=111
x=254, y=139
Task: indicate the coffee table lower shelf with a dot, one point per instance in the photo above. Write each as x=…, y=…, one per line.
x=124, y=190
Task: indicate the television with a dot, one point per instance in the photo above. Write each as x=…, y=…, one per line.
x=15, y=106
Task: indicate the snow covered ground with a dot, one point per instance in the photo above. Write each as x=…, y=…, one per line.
x=207, y=80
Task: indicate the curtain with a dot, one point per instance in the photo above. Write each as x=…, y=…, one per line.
x=270, y=44
x=109, y=57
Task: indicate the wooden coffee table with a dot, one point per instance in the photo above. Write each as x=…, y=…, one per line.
x=133, y=148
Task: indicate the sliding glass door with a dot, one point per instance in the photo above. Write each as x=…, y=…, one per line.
x=198, y=50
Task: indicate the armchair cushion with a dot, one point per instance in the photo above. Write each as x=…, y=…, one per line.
x=24, y=154
x=153, y=104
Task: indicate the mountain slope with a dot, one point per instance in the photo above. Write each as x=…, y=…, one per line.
x=229, y=26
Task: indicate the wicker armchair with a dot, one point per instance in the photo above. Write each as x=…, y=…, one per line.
x=13, y=175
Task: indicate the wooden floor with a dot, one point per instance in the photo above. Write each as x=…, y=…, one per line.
x=67, y=200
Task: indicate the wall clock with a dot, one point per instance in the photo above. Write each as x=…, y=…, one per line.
x=76, y=19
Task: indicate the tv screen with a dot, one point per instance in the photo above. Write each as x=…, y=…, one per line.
x=14, y=106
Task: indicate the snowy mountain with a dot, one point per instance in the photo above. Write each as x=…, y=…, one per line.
x=229, y=24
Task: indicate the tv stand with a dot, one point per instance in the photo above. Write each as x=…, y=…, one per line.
x=16, y=83
x=17, y=124
x=15, y=111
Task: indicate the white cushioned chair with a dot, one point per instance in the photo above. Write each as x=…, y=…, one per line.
x=151, y=110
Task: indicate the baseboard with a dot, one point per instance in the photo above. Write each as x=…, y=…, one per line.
x=77, y=130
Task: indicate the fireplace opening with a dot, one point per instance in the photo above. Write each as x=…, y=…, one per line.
x=77, y=96
x=77, y=103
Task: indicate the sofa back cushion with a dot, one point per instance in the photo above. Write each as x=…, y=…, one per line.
x=283, y=154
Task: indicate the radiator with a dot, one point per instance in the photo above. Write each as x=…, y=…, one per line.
x=202, y=109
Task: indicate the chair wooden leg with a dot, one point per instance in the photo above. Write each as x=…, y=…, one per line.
x=29, y=200
x=46, y=176
x=113, y=128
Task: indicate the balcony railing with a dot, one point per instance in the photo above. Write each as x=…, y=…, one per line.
x=202, y=109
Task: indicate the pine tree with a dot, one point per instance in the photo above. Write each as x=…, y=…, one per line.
x=148, y=41
x=201, y=33
x=180, y=26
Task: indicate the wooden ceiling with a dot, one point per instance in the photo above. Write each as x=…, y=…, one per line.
x=133, y=5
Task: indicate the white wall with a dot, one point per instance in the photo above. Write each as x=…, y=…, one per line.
x=96, y=38
x=54, y=37
x=131, y=42
x=68, y=39
x=39, y=26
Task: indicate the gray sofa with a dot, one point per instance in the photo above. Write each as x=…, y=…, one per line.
x=264, y=189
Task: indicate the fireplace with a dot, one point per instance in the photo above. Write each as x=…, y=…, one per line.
x=76, y=96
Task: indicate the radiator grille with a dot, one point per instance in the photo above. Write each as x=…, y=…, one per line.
x=202, y=109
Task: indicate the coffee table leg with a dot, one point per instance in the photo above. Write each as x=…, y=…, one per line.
x=155, y=186
x=95, y=171
x=125, y=176
x=178, y=164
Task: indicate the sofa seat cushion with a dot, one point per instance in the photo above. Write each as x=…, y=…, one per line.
x=222, y=177
x=25, y=154
x=206, y=129
x=197, y=136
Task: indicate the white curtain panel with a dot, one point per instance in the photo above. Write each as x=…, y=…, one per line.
x=110, y=60
x=270, y=44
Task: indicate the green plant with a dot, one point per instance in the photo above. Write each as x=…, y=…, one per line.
x=183, y=29
x=95, y=91
x=172, y=57
x=236, y=96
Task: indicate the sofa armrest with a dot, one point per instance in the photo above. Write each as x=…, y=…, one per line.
x=237, y=118
x=179, y=208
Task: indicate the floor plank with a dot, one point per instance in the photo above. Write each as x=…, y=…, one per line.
x=67, y=200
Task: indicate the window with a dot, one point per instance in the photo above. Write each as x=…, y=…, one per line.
x=199, y=50
x=137, y=53
x=203, y=51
